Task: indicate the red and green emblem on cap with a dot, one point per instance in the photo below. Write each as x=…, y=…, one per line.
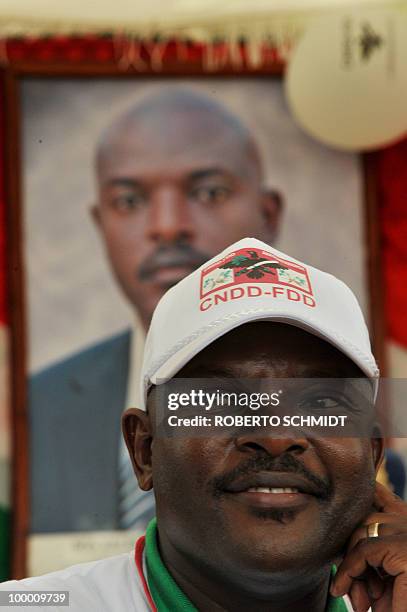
x=253, y=273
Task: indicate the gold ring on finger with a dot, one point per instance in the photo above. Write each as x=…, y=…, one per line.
x=373, y=530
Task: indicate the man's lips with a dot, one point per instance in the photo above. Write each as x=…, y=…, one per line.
x=273, y=490
x=273, y=480
x=169, y=263
x=171, y=273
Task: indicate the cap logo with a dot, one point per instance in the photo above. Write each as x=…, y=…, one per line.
x=254, y=273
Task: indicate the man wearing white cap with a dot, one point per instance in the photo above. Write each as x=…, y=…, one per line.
x=249, y=520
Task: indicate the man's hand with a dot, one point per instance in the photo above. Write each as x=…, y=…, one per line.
x=374, y=569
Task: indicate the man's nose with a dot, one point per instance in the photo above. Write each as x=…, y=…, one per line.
x=170, y=217
x=273, y=445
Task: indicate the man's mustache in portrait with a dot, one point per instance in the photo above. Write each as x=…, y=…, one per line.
x=177, y=254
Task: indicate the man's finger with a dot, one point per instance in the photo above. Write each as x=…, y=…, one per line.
x=375, y=585
x=399, y=594
x=388, y=525
x=387, y=501
x=388, y=554
x=359, y=596
x=384, y=603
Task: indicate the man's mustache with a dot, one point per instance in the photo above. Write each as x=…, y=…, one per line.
x=265, y=463
x=171, y=256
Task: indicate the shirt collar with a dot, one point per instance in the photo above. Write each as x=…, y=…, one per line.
x=165, y=592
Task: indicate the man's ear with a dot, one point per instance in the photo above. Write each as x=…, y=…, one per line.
x=138, y=436
x=272, y=206
x=94, y=211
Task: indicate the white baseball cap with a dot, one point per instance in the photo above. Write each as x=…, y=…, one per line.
x=251, y=281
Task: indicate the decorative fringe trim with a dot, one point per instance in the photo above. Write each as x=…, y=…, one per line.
x=221, y=36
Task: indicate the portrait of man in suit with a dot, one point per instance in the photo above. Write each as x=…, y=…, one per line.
x=179, y=176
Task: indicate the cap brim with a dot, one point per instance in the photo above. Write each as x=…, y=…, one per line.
x=183, y=355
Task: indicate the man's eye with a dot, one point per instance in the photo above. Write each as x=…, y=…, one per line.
x=127, y=202
x=211, y=195
x=320, y=403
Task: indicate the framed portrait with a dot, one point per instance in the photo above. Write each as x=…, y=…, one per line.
x=74, y=312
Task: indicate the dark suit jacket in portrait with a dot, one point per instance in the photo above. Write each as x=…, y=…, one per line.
x=75, y=408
